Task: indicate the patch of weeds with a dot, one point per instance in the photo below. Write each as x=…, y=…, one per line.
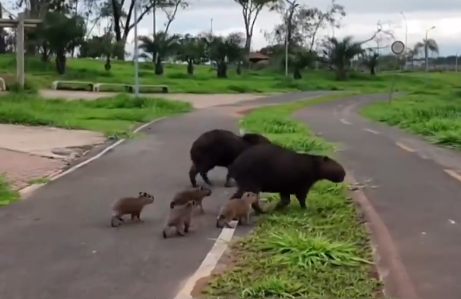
x=7, y=195
x=321, y=252
x=435, y=115
x=39, y=181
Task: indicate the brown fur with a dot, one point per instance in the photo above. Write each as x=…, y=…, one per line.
x=130, y=205
x=180, y=218
x=237, y=208
x=197, y=194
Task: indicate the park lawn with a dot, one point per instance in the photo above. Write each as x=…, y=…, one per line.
x=7, y=195
x=434, y=114
x=267, y=80
x=115, y=116
x=322, y=252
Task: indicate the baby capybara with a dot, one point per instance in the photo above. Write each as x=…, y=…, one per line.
x=238, y=208
x=196, y=194
x=130, y=206
x=219, y=148
x=274, y=169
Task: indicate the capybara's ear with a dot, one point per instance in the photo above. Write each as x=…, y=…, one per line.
x=325, y=158
x=140, y=193
x=171, y=205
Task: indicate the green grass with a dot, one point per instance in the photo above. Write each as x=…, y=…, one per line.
x=114, y=116
x=40, y=75
x=6, y=194
x=434, y=114
x=321, y=252
x=39, y=181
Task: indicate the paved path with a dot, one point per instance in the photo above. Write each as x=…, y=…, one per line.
x=418, y=201
x=58, y=243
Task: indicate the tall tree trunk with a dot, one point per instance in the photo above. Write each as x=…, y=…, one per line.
x=60, y=62
x=190, y=67
x=221, y=69
x=246, y=62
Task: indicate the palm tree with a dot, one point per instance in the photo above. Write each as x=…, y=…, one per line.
x=190, y=49
x=223, y=50
x=158, y=48
x=338, y=54
x=411, y=55
x=429, y=45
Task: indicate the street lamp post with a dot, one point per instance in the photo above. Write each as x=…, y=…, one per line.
x=426, y=48
x=136, y=70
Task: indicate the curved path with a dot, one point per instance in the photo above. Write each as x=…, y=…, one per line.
x=58, y=242
x=418, y=193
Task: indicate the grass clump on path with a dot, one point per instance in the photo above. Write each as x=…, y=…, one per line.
x=115, y=116
x=7, y=195
x=321, y=252
x=434, y=114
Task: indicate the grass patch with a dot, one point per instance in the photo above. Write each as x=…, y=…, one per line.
x=434, y=114
x=7, y=195
x=322, y=252
x=114, y=116
x=39, y=181
x=268, y=79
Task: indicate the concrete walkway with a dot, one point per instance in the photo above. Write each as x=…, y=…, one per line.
x=418, y=194
x=58, y=243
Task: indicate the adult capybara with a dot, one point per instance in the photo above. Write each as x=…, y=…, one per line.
x=219, y=148
x=272, y=168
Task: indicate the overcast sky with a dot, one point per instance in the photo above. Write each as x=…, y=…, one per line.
x=361, y=19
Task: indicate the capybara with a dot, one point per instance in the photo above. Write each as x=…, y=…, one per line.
x=129, y=205
x=239, y=208
x=195, y=193
x=274, y=169
x=180, y=218
x=219, y=148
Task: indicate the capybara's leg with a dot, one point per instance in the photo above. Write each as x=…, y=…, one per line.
x=284, y=201
x=133, y=215
x=138, y=215
x=192, y=174
x=115, y=221
x=179, y=229
x=204, y=175
x=186, y=226
x=201, y=207
x=203, y=168
x=301, y=196
x=228, y=180
x=257, y=208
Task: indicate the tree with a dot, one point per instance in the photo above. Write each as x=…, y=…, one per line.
x=370, y=59
x=300, y=60
x=190, y=49
x=338, y=54
x=158, y=48
x=411, y=54
x=61, y=34
x=250, y=12
x=321, y=18
x=223, y=50
x=427, y=45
